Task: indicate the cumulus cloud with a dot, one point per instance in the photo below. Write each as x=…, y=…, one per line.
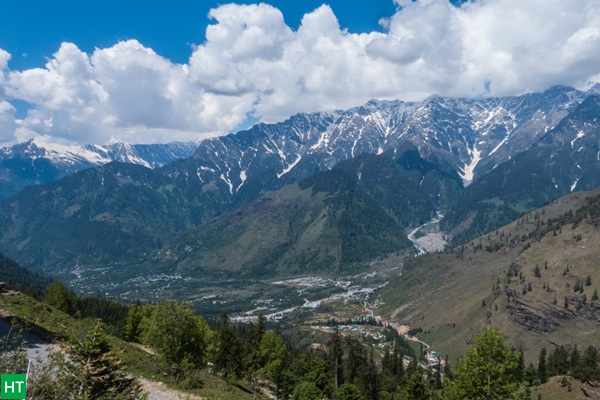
x=252, y=63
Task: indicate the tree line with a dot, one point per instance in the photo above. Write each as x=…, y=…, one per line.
x=185, y=344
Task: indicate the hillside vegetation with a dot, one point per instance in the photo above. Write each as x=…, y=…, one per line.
x=297, y=230
x=536, y=279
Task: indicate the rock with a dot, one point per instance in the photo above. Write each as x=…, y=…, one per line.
x=531, y=320
x=591, y=394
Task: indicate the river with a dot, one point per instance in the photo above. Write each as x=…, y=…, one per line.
x=431, y=240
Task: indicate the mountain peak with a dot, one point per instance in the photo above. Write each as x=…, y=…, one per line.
x=39, y=161
x=594, y=89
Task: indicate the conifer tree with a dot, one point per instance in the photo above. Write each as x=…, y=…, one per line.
x=320, y=375
x=387, y=362
x=336, y=354
x=398, y=365
x=98, y=373
x=587, y=369
x=520, y=370
x=542, y=373
x=448, y=369
x=416, y=387
x=575, y=358
x=529, y=374
x=228, y=358
x=348, y=391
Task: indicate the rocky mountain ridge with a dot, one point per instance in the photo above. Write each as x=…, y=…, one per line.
x=484, y=161
x=37, y=161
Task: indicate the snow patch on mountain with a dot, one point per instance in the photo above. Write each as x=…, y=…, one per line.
x=289, y=167
x=243, y=178
x=574, y=185
x=580, y=134
x=468, y=171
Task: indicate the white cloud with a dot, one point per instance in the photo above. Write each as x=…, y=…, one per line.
x=7, y=121
x=252, y=62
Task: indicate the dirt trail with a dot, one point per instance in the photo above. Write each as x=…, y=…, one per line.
x=158, y=391
x=403, y=329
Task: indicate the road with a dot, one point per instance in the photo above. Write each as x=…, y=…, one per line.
x=37, y=347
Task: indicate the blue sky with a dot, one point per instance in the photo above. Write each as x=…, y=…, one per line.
x=36, y=28
x=76, y=71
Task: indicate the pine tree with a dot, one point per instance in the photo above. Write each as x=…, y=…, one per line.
x=98, y=373
x=588, y=370
x=348, y=391
x=438, y=375
x=336, y=354
x=574, y=359
x=355, y=359
x=320, y=375
x=588, y=280
x=448, y=369
x=397, y=366
x=595, y=295
x=228, y=358
x=560, y=363
x=371, y=377
x=252, y=347
x=541, y=371
x=520, y=370
x=529, y=374
x=416, y=387
x=387, y=362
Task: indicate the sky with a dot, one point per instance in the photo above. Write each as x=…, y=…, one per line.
x=146, y=72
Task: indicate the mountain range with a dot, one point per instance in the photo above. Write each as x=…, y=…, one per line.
x=37, y=161
x=482, y=162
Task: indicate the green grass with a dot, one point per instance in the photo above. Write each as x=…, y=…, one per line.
x=553, y=390
x=57, y=326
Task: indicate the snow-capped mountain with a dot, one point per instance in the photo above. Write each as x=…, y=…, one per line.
x=468, y=137
x=37, y=161
x=485, y=161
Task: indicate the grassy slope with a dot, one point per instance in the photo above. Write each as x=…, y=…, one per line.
x=554, y=390
x=325, y=227
x=55, y=325
x=443, y=293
